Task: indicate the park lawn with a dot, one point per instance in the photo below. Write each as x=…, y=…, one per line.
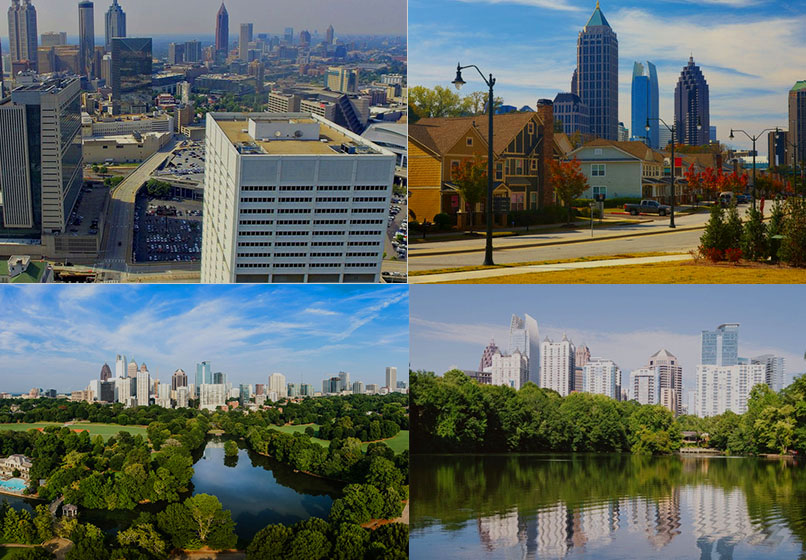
x=399, y=443
x=104, y=430
x=661, y=273
x=300, y=428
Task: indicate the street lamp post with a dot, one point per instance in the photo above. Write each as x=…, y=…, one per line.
x=673, y=130
x=459, y=82
x=753, y=138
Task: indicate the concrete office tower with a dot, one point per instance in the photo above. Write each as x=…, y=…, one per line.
x=86, y=37
x=343, y=80
x=557, y=364
x=329, y=35
x=344, y=381
x=244, y=40
x=292, y=198
x=487, y=355
x=179, y=379
x=721, y=388
x=601, y=377
x=53, y=39
x=22, y=34
x=692, y=106
x=797, y=122
x=391, y=378
x=41, y=158
x=212, y=396
x=524, y=336
x=645, y=385
x=277, y=384
x=671, y=379
x=115, y=24
x=193, y=51
x=143, y=386
x=721, y=347
x=182, y=397
x=120, y=366
x=131, y=369
x=597, y=75
x=222, y=31
x=358, y=388
x=106, y=372
x=645, y=103
x=510, y=370
x=774, y=370
x=219, y=378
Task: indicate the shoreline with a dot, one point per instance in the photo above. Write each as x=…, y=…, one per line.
x=24, y=496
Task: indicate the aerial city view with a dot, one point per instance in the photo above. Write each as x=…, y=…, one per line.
x=545, y=428
x=259, y=423
x=664, y=139
x=195, y=141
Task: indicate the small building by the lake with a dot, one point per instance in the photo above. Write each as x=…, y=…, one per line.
x=69, y=511
x=12, y=463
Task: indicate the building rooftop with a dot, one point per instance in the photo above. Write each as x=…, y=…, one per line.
x=597, y=18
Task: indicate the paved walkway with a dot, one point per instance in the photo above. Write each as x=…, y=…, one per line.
x=529, y=269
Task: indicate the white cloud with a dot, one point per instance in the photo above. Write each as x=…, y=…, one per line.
x=561, y=5
x=320, y=311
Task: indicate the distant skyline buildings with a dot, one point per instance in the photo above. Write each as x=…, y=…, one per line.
x=222, y=30
x=692, y=106
x=86, y=38
x=22, y=32
x=645, y=104
x=115, y=24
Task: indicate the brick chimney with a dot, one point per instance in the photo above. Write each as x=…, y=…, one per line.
x=545, y=110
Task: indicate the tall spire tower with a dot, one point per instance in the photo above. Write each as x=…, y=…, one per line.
x=222, y=30
x=596, y=76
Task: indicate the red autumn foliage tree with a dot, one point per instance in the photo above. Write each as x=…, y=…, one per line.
x=568, y=181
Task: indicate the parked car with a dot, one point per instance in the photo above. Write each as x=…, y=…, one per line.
x=648, y=207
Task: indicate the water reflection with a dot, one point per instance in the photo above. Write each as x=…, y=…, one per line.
x=531, y=507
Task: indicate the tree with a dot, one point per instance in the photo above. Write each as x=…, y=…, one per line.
x=145, y=537
x=158, y=189
x=351, y=542
x=437, y=102
x=231, y=449
x=308, y=545
x=43, y=522
x=754, y=239
x=213, y=526
x=793, y=244
x=471, y=180
x=383, y=474
x=475, y=103
x=568, y=182
x=37, y=553
x=175, y=521
x=269, y=543
x=693, y=184
x=714, y=238
x=775, y=230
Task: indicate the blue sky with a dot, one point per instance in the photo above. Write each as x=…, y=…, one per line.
x=451, y=325
x=59, y=336
x=751, y=51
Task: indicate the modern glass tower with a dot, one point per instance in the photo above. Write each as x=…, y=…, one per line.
x=22, y=34
x=131, y=73
x=524, y=336
x=596, y=76
x=645, y=104
x=692, y=106
x=797, y=122
x=222, y=31
x=721, y=347
x=86, y=37
x=115, y=24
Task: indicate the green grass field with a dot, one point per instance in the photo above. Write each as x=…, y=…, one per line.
x=399, y=443
x=104, y=430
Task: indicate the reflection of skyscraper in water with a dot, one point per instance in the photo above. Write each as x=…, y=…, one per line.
x=599, y=522
x=553, y=531
x=658, y=519
x=499, y=531
x=720, y=520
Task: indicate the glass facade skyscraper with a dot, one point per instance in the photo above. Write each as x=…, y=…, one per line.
x=721, y=347
x=692, y=107
x=131, y=73
x=596, y=77
x=204, y=374
x=645, y=104
x=524, y=337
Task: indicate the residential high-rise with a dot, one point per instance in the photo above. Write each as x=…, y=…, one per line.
x=277, y=385
x=597, y=75
x=797, y=121
x=358, y=388
x=391, y=378
x=131, y=73
x=193, y=51
x=487, y=355
x=212, y=396
x=41, y=158
x=524, y=336
x=721, y=387
x=344, y=381
x=329, y=35
x=143, y=386
x=692, y=107
x=510, y=370
x=557, y=364
x=773, y=370
x=295, y=198
x=86, y=37
x=179, y=379
x=244, y=40
x=163, y=395
x=670, y=378
x=182, y=397
x=106, y=372
x=120, y=366
x=222, y=31
x=53, y=38
x=176, y=53
x=601, y=377
x=645, y=385
x=581, y=357
x=721, y=347
x=115, y=24
x=22, y=34
x=645, y=103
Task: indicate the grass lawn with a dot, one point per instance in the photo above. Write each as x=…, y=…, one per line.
x=662, y=273
x=399, y=443
x=301, y=429
x=104, y=430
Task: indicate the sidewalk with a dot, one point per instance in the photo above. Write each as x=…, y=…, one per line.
x=530, y=269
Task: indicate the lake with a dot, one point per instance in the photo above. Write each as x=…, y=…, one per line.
x=606, y=507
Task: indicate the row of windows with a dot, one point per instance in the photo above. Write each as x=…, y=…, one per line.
x=329, y=222
x=320, y=233
x=364, y=244
x=292, y=222
x=258, y=211
x=366, y=221
x=253, y=233
x=304, y=265
x=292, y=244
x=295, y=199
x=370, y=199
x=331, y=210
x=294, y=188
x=259, y=188
x=362, y=254
x=327, y=243
x=368, y=188
x=256, y=222
x=294, y=211
x=369, y=210
x=254, y=244
x=333, y=199
x=261, y=199
x=329, y=232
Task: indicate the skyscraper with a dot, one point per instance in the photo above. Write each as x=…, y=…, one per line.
x=645, y=385
x=645, y=104
x=289, y=35
x=391, y=378
x=179, y=379
x=131, y=73
x=143, y=386
x=774, y=370
x=106, y=372
x=41, y=158
x=204, y=374
x=344, y=381
x=597, y=75
x=86, y=37
x=278, y=386
x=797, y=122
x=222, y=31
x=115, y=24
x=721, y=347
x=53, y=38
x=22, y=34
x=487, y=355
x=601, y=377
x=692, y=106
x=120, y=366
x=727, y=387
x=510, y=370
x=244, y=40
x=557, y=364
x=524, y=336
x=670, y=378
x=329, y=34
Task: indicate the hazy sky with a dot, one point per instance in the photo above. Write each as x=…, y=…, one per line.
x=164, y=17
x=451, y=325
x=59, y=336
x=750, y=51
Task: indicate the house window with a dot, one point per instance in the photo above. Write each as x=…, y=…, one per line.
x=534, y=165
x=530, y=128
x=518, y=166
x=533, y=200
x=597, y=151
x=597, y=170
x=600, y=190
x=454, y=167
x=499, y=171
x=469, y=140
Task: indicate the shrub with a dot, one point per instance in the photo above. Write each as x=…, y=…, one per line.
x=616, y=202
x=714, y=236
x=443, y=221
x=754, y=239
x=733, y=228
x=733, y=254
x=774, y=229
x=712, y=253
x=546, y=215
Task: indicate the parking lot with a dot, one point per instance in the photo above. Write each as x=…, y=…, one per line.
x=167, y=230
x=397, y=229
x=186, y=162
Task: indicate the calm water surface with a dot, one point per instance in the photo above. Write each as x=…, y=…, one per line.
x=606, y=507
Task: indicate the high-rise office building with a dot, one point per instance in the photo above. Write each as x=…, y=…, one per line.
x=358, y=388
x=524, y=336
x=41, y=158
x=601, y=377
x=797, y=121
x=305, y=38
x=131, y=369
x=692, y=106
x=294, y=198
x=179, y=379
x=645, y=103
x=176, y=53
x=143, y=386
x=344, y=381
x=53, y=38
x=277, y=384
x=288, y=35
x=204, y=374
x=120, y=366
x=243, y=41
x=219, y=378
x=329, y=35
x=557, y=365
x=245, y=394
x=581, y=357
x=721, y=347
x=391, y=378
x=131, y=73
x=106, y=372
x=115, y=24
x=22, y=34
x=597, y=75
x=572, y=113
x=182, y=397
x=86, y=37
x=193, y=51
x=222, y=31
x=773, y=370
x=343, y=80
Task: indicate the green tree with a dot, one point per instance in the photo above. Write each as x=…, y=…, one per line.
x=146, y=538
x=269, y=543
x=176, y=522
x=470, y=179
x=43, y=522
x=775, y=229
x=437, y=102
x=754, y=238
x=351, y=542
x=714, y=236
x=213, y=526
x=309, y=545
x=793, y=244
x=37, y=553
x=231, y=449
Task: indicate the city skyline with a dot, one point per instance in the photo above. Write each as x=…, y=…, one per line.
x=538, y=58
x=587, y=316
x=252, y=332
x=389, y=17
